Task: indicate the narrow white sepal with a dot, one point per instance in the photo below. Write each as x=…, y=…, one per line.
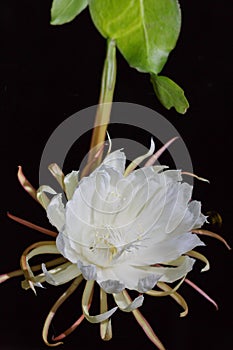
x=136, y=162
x=61, y=274
x=110, y=143
x=56, y=212
x=112, y=286
x=71, y=183
x=147, y=283
x=123, y=306
x=38, y=284
x=115, y=160
x=45, y=188
x=99, y=318
x=88, y=271
x=48, y=277
x=88, y=290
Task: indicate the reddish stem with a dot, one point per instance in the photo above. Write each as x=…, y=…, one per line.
x=199, y=290
x=33, y=226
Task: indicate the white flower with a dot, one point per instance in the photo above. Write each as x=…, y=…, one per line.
x=122, y=228
x=127, y=231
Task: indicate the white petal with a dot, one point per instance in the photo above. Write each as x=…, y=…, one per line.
x=193, y=218
x=112, y=286
x=88, y=271
x=71, y=183
x=167, y=208
x=78, y=227
x=171, y=176
x=178, y=207
x=56, y=212
x=96, y=199
x=171, y=274
x=81, y=202
x=142, y=188
x=116, y=160
x=129, y=276
x=64, y=247
x=102, y=182
x=167, y=250
x=115, y=201
x=153, y=200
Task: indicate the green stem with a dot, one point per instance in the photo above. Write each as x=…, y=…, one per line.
x=104, y=107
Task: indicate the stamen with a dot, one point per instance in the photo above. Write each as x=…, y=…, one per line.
x=108, y=240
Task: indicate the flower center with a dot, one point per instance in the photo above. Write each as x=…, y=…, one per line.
x=110, y=243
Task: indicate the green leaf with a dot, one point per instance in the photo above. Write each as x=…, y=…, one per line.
x=145, y=31
x=169, y=93
x=64, y=11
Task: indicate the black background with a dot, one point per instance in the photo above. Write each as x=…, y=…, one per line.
x=47, y=74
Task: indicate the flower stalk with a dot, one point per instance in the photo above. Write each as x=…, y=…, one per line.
x=105, y=103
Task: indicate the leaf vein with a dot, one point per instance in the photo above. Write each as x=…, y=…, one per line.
x=141, y=3
x=122, y=14
x=124, y=33
x=59, y=13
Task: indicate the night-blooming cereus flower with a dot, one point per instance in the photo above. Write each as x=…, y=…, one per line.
x=119, y=230
x=123, y=229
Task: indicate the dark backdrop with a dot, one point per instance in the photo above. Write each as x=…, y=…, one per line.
x=47, y=74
